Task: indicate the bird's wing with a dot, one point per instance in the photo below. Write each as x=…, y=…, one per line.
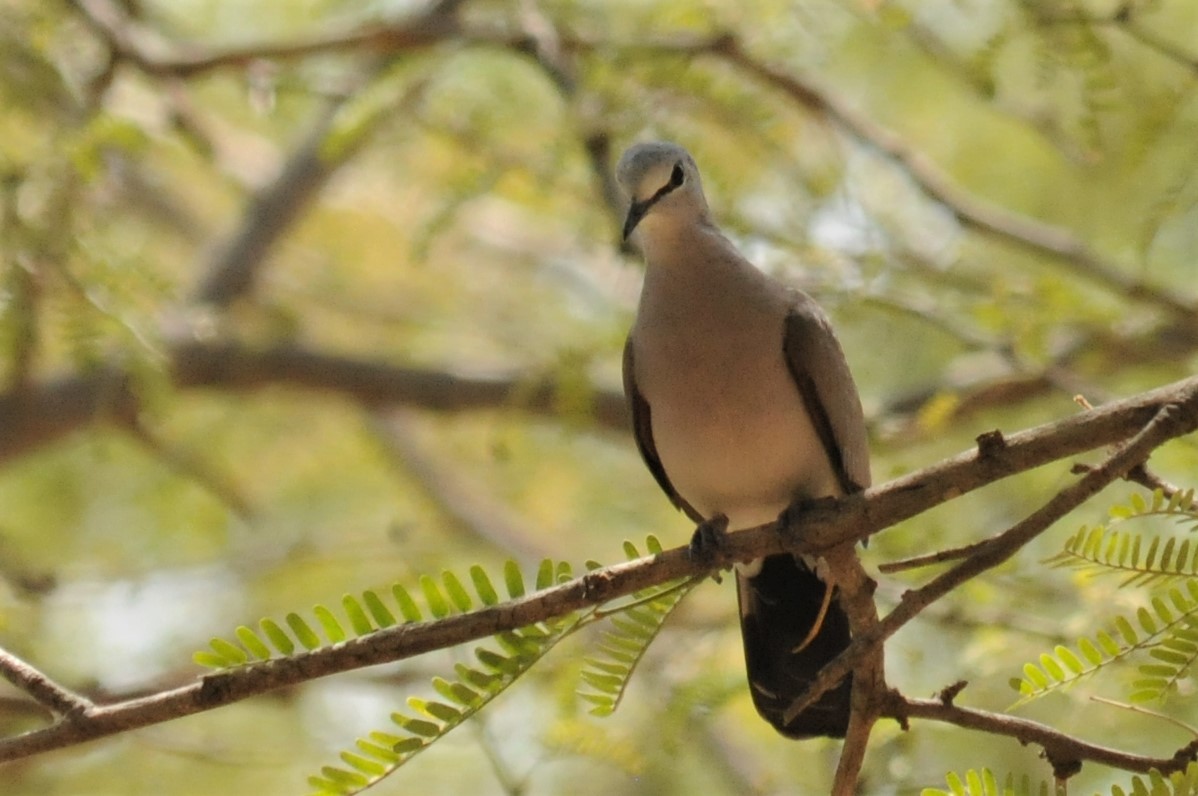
x=818, y=366
x=643, y=430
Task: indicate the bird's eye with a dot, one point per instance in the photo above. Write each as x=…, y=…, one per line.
x=677, y=176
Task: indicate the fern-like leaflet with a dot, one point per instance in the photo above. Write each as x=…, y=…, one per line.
x=1168, y=630
x=1102, y=550
x=1179, y=783
x=631, y=629
x=381, y=753
x=513, y=653
x=985, y=783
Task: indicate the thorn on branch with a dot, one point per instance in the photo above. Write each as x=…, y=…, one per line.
x=1186, y=755
x=594, y=586
x=1063, y=769
x=990, y=443
x=949, y=692
x=214, y=689
x=894, y=705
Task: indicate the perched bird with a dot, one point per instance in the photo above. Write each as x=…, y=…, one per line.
x=742, y=403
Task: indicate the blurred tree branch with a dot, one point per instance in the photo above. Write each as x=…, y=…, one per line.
x=44, y=412
x=154, y=54
x=483, y=518
x=231, y=272
x=440, y=23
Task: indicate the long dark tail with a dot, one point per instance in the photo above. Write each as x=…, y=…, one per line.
x=778, y=607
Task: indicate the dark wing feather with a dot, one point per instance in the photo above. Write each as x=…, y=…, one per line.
x=643, y=430
x=818, y=366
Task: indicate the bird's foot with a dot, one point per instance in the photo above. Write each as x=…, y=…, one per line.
x=791, y=516
x=710, y=539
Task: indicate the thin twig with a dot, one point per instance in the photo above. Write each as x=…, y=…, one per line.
x=1147, y=478
x=1143, y=711
x=41, y=687
x=1058, y=746
x=1124, y=19
x=938, y=557
x=191, y=464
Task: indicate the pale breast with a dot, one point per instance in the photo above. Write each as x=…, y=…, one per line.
x=728, y=421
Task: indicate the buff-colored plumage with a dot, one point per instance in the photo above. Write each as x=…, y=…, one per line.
x=743, y=403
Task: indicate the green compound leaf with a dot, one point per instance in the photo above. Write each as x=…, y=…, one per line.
x=630, y=631
x=631, y=627
x=986, y=783
x=1168, y=634
x=498, y=666
x=1139, y=559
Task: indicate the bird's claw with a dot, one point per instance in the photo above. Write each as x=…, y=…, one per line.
x=710, y=539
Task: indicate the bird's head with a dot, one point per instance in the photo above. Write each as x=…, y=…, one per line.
x=662, y=181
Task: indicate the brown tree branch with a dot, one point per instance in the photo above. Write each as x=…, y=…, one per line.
x=155, y=55
x=234, y=267
x=1171, y=419
x=869, y=679
x=819, y=529
x=47, y=411
x=1058, y=746
x=61, y=701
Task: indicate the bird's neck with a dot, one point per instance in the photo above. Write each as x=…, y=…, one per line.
x=666, y=238
x=694, y=263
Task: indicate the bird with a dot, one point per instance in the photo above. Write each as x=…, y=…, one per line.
x=743, y=406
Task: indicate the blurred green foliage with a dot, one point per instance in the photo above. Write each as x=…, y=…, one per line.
x=456, y=219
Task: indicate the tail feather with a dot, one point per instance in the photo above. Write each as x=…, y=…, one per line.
x=778, y=606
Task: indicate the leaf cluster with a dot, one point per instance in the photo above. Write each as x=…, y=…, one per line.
x=1165, y=630
x=985, y=783
x=630, y=626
